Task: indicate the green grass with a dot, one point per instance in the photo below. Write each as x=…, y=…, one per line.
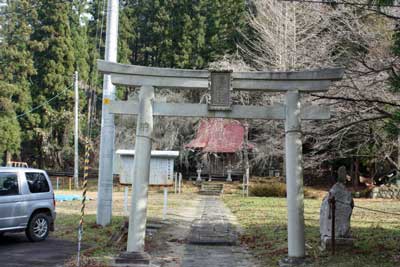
x=264, y=220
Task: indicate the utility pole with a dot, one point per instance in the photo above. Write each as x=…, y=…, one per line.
x=76, y=133
x=105, y=184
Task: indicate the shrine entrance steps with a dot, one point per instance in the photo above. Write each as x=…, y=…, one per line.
x=211, y=189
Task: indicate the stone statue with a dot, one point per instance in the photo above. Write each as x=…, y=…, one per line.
x=343, y=209
x=341, y=175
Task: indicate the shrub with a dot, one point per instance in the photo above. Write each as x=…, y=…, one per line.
x=310, y=194
x=272, y=189
x=365, y=193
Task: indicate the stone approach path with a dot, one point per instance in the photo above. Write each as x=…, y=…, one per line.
x=204, y=233
x=213, y=238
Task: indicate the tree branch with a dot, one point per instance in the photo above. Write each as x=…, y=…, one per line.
x=356, y=100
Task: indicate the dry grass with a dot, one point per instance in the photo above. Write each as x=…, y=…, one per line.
x=95, y=237
x=264, y=220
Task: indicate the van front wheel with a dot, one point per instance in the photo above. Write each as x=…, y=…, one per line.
x=38, y=227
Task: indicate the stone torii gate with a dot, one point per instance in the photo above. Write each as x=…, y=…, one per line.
x=220, y=85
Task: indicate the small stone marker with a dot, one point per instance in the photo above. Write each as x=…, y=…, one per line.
x=344, y=208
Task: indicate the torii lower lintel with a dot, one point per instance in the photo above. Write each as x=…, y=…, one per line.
x=273, y=112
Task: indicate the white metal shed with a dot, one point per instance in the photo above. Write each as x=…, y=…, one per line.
x=161, y=166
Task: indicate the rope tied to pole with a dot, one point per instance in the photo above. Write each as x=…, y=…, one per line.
x=332, y=216
x=83, y=205
x=369, y=209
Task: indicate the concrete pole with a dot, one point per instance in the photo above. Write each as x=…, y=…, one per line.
x=294, y=176
x=141, y=171
x=165, y=207
x=105, y=184
x=126, y=194
x=76, y=133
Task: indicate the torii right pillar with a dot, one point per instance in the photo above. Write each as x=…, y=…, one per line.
x=294, y=181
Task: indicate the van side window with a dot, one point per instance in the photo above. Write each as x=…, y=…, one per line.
x=8, y=184
x=37, y=182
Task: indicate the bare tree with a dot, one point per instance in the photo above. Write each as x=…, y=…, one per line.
x=292, y=36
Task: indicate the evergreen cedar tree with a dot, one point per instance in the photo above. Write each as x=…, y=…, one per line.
x=42, y=44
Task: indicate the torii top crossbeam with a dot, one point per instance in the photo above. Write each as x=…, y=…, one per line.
x=220, y=87
x=303, y=81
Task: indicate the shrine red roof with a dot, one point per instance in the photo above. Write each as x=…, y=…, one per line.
x=219, y=135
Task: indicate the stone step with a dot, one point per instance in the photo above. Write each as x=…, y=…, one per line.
x=219, y=186
x=210, y=193
x=211, y=189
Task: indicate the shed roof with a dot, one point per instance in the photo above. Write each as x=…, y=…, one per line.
x=154, y=153
x=219, y=136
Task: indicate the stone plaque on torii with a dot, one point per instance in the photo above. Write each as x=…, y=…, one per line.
x=220, y=84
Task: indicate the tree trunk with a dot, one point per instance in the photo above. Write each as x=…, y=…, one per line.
x=8, y=156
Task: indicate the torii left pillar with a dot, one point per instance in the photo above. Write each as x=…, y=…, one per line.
x=141, y=171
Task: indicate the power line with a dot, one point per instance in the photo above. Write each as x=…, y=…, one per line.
x=333, y=2
x=44, y=103
x=37, y=107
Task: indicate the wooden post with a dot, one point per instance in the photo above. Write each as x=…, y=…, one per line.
x=246, y=157
x=175, y=182
x=244, y=184
x=352, y=172
x=180, y=183
x=209, y=166
x=356, y=173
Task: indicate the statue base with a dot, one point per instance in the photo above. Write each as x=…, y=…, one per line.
x=340, y=242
